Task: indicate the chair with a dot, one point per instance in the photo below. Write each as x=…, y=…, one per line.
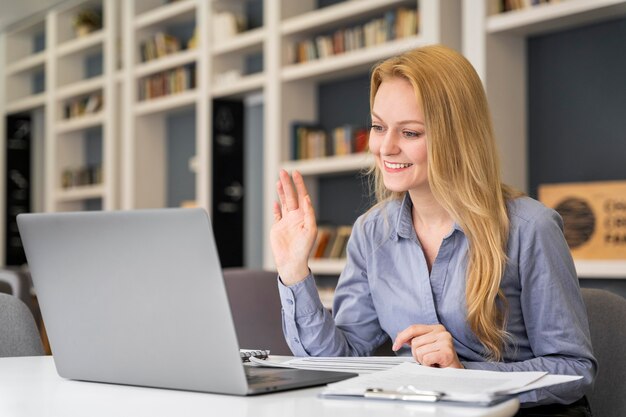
x=256, y=309
x=18, y=332
x=17, y=282
x=607, y=323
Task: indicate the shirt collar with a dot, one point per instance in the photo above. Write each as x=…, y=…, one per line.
x=404, y=223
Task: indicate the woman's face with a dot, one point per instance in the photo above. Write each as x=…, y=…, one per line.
x=398, y=136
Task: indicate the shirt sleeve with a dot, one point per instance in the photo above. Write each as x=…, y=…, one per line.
x=554, y=314
x=311, y=330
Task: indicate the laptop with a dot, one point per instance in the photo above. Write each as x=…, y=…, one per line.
x=138, y=298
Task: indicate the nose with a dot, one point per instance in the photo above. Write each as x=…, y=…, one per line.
x=389, y=144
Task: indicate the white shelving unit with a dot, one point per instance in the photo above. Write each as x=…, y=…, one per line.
x=291, y=92
x=133, y=134
x=144, y=162
x=81, y=155
x=143, y=154
x=24, y=56
x=496, y=46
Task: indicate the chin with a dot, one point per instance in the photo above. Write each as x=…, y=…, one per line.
x=396, y=188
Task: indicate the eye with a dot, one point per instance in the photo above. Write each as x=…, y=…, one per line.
x=377, y=128
x=411, y=134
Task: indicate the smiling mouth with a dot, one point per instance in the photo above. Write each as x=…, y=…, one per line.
x=391, y=165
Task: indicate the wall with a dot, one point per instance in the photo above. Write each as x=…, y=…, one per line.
x=577, y=119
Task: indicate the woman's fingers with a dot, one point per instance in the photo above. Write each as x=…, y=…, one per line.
x=290, y=195
x=300, y=187
x=281, y=197
x=406, y=335
x=277, y=212
x=431, y=345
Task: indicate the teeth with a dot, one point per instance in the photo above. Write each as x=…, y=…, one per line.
x=396, y=166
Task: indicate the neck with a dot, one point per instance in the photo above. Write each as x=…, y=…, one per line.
x=427, y=212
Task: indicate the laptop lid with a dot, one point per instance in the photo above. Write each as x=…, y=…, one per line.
x=134, y=297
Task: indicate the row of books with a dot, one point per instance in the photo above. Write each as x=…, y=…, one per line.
x=227, y=24
x=331, y=242
x=508, y=5
x=168, y=82
x=312, y=141
x=86, y=175
x=159, y=45
x=80, y=106
x=395, y=24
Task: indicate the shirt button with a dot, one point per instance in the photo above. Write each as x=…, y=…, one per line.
x=295, y=339
x=289, y=301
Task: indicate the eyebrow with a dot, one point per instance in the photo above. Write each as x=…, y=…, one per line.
x=402, y=122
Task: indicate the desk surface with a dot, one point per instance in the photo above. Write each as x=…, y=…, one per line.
x=30, y=386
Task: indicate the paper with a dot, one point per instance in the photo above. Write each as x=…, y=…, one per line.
x=464, y=385
x=360, y=365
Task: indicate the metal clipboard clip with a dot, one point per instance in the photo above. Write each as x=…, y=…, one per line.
x=404, y=393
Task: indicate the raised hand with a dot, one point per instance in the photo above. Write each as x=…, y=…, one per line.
x=294, y=230
x=431, y=345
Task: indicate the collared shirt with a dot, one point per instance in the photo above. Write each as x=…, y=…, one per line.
x=386, y=287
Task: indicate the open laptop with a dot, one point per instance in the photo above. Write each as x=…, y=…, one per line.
x=138, y=298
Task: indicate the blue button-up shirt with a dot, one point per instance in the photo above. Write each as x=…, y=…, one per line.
x=386, y=287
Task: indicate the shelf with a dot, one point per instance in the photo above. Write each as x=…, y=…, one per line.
x=26, y=103
x=552, y=17
x=346, y=11
x=166, y=103
x=167, y=62
x=164, y=13
x=83, y=192
x=244, y=42
x=80, y=123
x=331, y=164
x=601, y=269
x=29, y=64
x=327, y=266
x=241, y=87
x=86, y=44
x=349, y=63
x=81, y=87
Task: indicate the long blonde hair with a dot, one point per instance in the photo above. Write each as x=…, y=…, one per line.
x=463, y=173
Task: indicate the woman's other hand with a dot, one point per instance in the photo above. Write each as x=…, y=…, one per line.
x=431, y=345
x=294, y=230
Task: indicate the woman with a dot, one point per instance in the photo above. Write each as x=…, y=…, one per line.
x=453, y=266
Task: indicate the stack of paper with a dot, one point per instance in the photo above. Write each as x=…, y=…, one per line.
x=359, y=365
x=420, y=383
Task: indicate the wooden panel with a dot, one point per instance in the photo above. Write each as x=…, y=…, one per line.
x=594, y=217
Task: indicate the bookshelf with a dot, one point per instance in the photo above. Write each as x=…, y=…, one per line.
x=292, y=91
x=24, y=56
x=46, y=65
x=165, y=76
x=81, y=107
x=495, y=43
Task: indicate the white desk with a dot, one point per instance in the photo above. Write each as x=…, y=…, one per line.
x=30, y=387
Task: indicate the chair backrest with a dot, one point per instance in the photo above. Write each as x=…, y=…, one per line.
x=18, y=332
x=256, y=309
x=607, y=323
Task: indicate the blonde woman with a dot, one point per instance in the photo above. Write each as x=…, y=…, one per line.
x=451, y=265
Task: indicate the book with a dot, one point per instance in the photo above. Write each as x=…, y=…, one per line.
x=338, y=249
x=325, y=235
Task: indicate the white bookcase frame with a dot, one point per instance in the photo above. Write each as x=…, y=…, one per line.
x=495, y=44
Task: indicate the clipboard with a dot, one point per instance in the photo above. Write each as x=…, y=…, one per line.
x=410, y=394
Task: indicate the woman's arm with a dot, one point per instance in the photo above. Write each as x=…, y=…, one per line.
x=310, y=329
x=553, y=312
